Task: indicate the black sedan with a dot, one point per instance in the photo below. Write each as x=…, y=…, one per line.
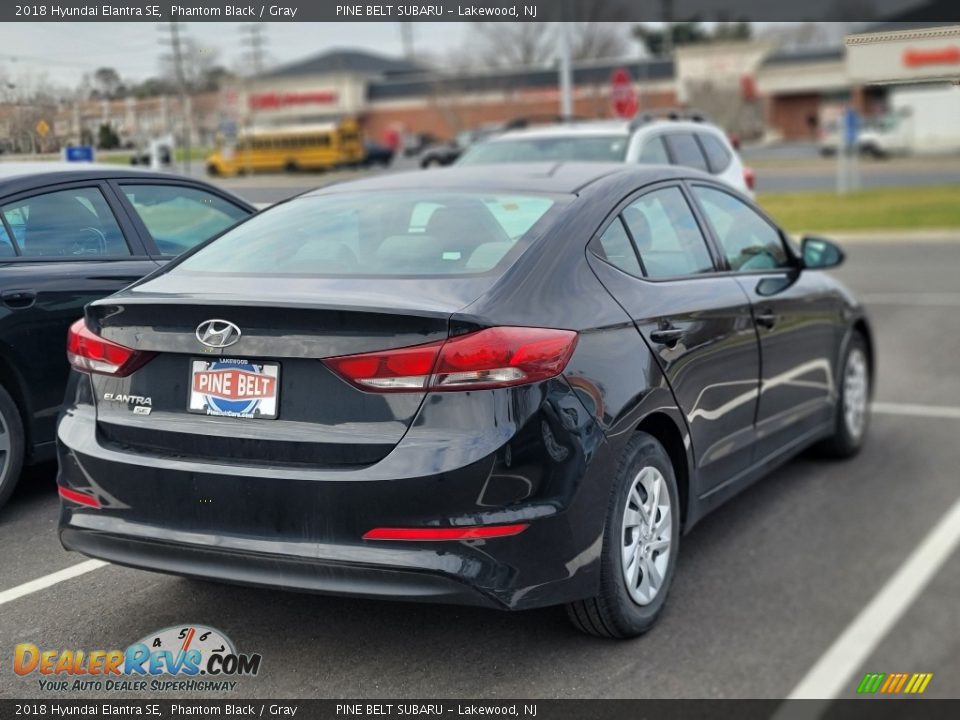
x=510, y=388
x=72, y=233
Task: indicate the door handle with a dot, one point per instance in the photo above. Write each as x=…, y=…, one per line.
x=668, y=336
x=18, y=299
x=766, y=319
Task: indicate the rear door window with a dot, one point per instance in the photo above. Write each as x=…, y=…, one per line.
x=6, y=244
x=666, y=235
x=179, y=217
x=686, y=150
x=615, y=247
x=74, y=223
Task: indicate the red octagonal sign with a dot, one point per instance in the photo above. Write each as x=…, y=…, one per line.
x=623, y=96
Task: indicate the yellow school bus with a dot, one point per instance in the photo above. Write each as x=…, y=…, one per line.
x=307, y=147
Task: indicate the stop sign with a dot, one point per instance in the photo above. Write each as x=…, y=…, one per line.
x=623, y=97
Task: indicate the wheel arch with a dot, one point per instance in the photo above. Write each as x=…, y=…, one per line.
x=665, y=429
x=13, y=382
x=862, y=327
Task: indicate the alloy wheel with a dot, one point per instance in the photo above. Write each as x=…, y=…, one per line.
x=646, y=534
x=855, y=393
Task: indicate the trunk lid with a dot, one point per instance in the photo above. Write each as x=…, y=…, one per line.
x=321, y=420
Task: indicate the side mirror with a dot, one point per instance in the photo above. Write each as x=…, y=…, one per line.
x=819, y=253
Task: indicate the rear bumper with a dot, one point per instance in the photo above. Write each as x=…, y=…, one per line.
x=302, y=529
x=244, y=567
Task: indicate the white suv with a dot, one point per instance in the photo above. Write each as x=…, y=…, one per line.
x=673, y=139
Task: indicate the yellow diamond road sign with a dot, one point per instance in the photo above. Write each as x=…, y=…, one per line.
x=42, y=128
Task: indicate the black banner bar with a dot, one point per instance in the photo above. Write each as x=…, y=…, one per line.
x=481, y=10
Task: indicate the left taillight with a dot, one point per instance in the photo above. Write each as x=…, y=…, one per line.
x=485, y=359
x=90, y=353
x=750, y=178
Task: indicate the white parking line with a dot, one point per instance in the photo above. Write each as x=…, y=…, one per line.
x=944, y=412
x=42, y=583
x=834, y=671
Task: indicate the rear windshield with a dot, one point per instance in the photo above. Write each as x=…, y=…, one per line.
x=398, y=233
x=575, y=148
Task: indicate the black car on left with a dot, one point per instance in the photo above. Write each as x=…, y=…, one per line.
x=70, y=234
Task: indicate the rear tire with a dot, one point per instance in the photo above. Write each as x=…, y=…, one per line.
x=12, y=444
x=640, y=544
x=852, y=414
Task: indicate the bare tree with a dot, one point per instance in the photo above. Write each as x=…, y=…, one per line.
x=199, y=63
x=595, y=40
x=504, y=45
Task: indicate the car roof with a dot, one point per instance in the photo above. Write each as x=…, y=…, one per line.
x=51, y=170
x=590, y=128
x=548, y=177
x=587, y=128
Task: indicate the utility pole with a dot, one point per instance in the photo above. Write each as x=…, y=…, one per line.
x=175, y=41
x=406, y=38
x=566, y=74
x=667, y=47
x=255, y=39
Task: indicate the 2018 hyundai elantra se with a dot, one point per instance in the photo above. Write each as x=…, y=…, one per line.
x=510, y=386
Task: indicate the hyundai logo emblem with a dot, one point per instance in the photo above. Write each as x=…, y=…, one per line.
x=218, y=333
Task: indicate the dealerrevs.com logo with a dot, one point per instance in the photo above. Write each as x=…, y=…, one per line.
x=180, y=658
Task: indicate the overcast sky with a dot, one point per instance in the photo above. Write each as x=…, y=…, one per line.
x=65, y=51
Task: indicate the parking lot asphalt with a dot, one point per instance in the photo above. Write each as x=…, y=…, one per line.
x=764, y=586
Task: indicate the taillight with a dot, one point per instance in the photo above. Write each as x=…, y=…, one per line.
x=88, y=352
x=491, y=358
x=470, y=532
x=750, y=178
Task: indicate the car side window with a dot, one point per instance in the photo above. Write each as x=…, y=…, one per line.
x=179, y=217
x=717, y=153
x=68, y=223
x=666, y=235
x=6, y=244
x=615, y=247
x=749, y=242
x=686, y=150
x=654, y=152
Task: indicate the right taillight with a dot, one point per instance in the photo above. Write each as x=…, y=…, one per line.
x=491, y=358
x=750, y=178
x=90, y=353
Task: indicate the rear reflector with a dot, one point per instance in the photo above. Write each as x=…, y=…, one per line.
x=88, y=352
x=79, y=497
x=491, y=358
x=475, y=532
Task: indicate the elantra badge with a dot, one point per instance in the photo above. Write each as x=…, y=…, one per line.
x=218, y=333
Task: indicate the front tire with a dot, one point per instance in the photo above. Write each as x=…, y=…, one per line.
x=11, y=445
x=640, y=544
x=852, y=415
